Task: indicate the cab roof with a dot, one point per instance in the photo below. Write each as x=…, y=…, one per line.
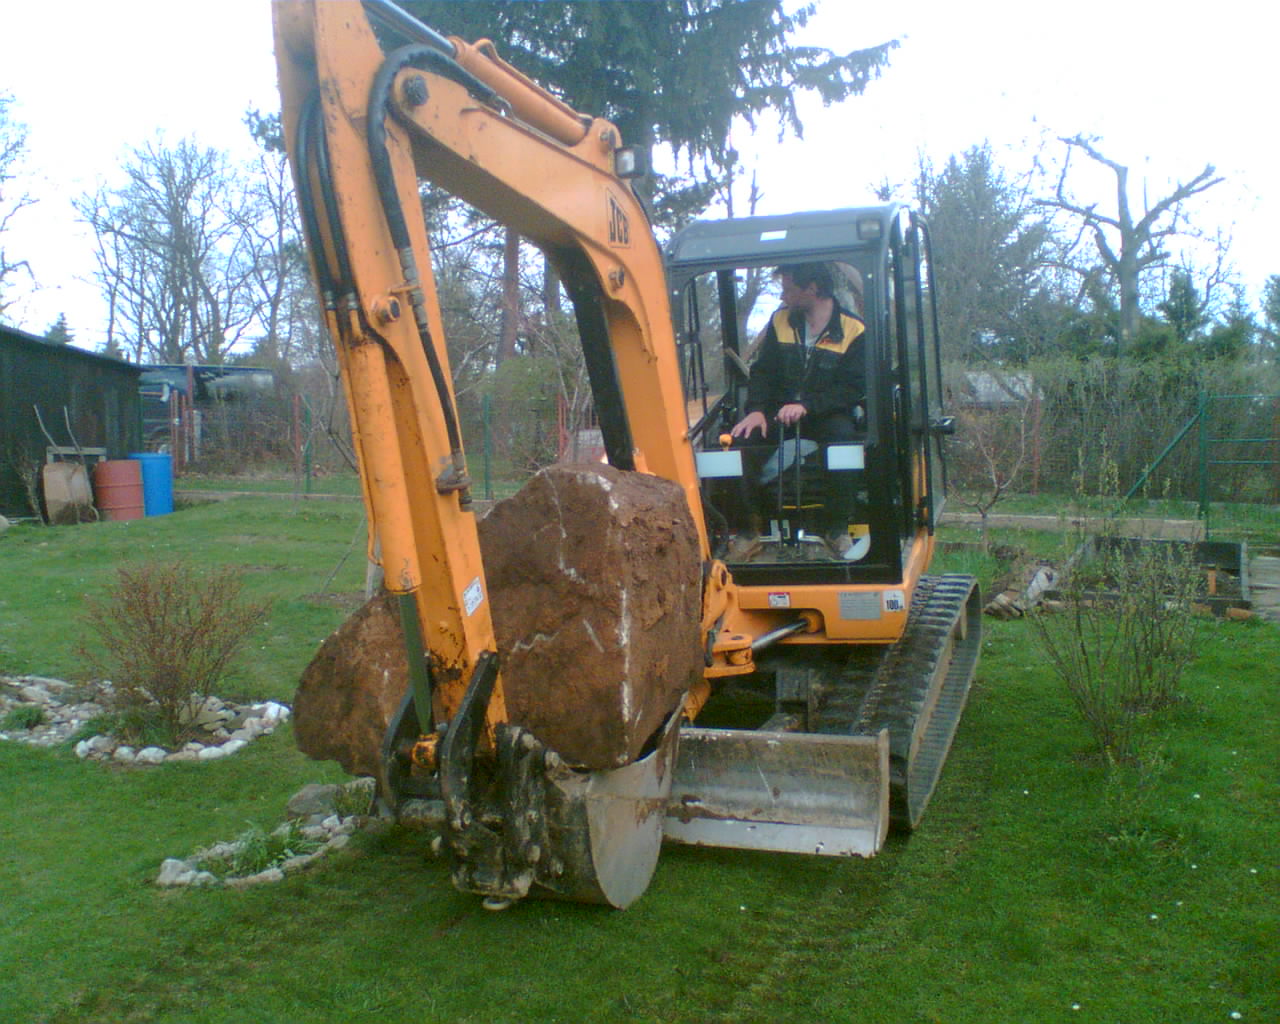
x=781, y=238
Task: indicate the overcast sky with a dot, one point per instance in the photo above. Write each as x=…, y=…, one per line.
x=1168, y=87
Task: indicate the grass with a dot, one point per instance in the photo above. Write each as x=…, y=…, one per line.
x=1254, y=523
x=1042, y=878
x=286, y=553
x=255, y=849
x=341, y=483
x=25, y=716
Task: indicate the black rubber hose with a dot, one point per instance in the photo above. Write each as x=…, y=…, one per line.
x=346, y=279
x=405, y=25
x=305, y=141
x=379, y=107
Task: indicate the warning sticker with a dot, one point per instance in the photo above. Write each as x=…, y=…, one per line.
x=779, y=600
x=859, y=605
x=472, y=596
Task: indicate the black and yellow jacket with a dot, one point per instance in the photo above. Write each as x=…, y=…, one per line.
x=825, y=378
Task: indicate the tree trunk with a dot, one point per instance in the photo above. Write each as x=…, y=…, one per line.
x=510, y=294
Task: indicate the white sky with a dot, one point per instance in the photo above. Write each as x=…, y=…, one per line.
x=1167, y=86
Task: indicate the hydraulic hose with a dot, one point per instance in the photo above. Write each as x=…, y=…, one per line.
x=404, y=24
x=384, y=175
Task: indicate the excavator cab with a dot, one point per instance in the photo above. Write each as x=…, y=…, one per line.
x=828, y=539
x=796, y=506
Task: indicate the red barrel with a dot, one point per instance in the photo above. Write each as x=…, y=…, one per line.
x=117, y=486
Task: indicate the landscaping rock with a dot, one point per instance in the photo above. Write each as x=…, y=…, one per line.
x=312, y=798
x=66, y=707
x=595, y=581
x=245, y=881
x=316, y=801
x=175, y=872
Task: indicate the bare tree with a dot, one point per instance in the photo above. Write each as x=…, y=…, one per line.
x=175, y=258
x=279, y=293
x=995, y=443
x=13, y=143
x=1127, y=245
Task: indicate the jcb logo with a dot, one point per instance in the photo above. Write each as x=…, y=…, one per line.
x=619, y=226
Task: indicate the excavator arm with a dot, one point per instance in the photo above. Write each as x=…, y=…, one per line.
x=363, y=126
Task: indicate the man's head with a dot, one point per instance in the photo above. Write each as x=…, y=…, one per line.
x=802, y=283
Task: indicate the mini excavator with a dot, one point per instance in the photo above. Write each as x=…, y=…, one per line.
x=834, y=676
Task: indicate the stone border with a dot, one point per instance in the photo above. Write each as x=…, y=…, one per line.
x=314, y=811
x=226, y=727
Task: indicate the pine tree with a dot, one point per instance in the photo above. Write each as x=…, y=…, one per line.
x=59, y=333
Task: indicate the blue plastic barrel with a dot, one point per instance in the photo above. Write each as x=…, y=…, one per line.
x=157, y=481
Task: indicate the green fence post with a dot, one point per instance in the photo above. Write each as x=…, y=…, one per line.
x=1204, y=457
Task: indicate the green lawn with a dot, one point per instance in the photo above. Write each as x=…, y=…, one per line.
x=1040, y=880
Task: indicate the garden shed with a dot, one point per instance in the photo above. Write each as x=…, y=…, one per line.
x=83, y=398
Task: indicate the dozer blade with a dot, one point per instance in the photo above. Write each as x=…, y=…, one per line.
x=782, y=791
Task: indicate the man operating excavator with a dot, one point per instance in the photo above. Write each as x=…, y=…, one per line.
x=809, y=376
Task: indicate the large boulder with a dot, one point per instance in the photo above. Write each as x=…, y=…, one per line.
x=351, y=690
x=594, y=580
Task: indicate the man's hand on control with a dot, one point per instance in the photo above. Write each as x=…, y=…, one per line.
x=749, y=424
x=790, y=413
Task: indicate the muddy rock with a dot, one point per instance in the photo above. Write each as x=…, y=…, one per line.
x=594, y=577
x=352, y=688
x=595, y=591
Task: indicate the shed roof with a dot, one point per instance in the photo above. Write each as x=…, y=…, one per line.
x=55, y=350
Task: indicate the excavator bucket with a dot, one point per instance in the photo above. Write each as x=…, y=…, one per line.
x=606, y=827
x=783, y=791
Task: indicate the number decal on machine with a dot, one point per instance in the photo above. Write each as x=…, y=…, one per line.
x=895, y=601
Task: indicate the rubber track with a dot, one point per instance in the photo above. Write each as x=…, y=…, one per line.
x=896, y=689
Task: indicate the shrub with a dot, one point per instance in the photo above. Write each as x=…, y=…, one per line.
x=1125, y=634
x=1123, y=639
x=167, y=634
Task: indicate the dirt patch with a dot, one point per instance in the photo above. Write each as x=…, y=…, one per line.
x=343, y=602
